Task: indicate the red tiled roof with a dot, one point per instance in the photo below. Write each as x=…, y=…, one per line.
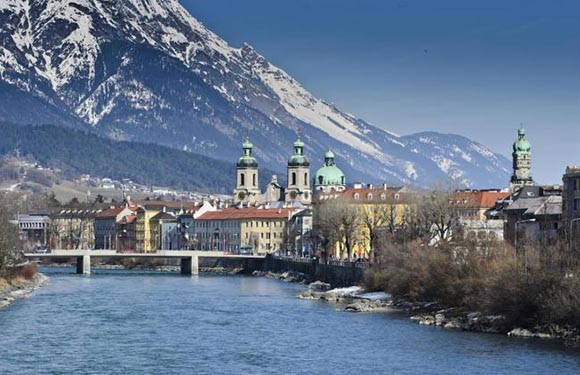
x=128, y=219
x=234, y=213
x=111, y=212
x=479, y=199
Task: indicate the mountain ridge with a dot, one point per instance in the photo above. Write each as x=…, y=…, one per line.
x=147, y=70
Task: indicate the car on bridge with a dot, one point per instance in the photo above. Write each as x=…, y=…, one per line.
x=41, y=249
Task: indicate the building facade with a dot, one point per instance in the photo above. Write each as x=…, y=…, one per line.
x=571, y=203
x=73, y=228
x=243, y=230
x=34, y=229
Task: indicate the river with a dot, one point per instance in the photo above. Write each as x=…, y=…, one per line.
x=141, y=323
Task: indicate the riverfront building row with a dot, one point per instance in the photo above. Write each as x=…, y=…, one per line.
x=289, y=219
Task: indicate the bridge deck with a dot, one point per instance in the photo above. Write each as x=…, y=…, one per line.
x=159, y=254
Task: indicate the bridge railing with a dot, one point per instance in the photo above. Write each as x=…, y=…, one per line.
x=331, y=262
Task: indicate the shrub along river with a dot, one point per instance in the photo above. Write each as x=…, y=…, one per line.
x=123, y=322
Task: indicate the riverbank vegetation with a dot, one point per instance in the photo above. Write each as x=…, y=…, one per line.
x=10, y=204
x=536, y=287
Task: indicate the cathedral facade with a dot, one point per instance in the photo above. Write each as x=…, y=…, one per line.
x=298, y=188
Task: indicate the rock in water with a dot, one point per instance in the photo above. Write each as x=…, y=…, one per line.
x=319, y=286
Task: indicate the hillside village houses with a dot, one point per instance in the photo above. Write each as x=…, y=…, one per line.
x=280, y=219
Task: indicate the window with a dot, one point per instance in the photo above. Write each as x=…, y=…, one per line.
x=383, y=197
x=369, y=197
x=576, y=204
x=320, y=180
x=356, y=196
x=577, y=184
x=306, y=178
x=254, y=179
x=293, y=179
x=242, y=179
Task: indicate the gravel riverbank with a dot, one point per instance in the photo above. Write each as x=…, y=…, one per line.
x=19, y=288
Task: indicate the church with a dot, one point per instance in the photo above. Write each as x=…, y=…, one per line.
x=298, y=189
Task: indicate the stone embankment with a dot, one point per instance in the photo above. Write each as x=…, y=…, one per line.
x=351, y=299
x=19, y=288
x=356, y=299
x=288, y=276
x=431, y=313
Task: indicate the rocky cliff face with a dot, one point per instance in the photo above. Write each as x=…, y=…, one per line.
x=147, y=70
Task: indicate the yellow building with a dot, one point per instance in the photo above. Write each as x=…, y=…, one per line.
x=255, y=230
x=371, y=210
x=73, y=228
x=147, y=231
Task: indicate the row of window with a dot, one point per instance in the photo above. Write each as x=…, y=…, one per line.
x=370, y=196
x=236, y=224
x=33, y=226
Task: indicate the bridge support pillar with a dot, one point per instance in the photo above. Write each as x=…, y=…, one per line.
x=190, y=266
x=84, y=265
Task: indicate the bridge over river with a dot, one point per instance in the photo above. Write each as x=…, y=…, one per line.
x=189, y=259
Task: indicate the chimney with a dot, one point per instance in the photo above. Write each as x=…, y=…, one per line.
x=385, y=186
x=370, y=186
x=357, y=185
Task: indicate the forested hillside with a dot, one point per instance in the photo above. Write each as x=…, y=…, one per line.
x=75, y=152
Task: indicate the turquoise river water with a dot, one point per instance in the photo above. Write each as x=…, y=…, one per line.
x=138, y=323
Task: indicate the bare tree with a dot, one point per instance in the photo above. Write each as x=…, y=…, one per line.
x=8, y=231
x=337, y=222
x=325, y=227
x=441, y=212
x=377, y=217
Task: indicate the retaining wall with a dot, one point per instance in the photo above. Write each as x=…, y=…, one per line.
x=337, y=274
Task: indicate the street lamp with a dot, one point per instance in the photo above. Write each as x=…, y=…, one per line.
x=572, y=232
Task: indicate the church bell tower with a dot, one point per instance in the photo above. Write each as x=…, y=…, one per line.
x=298, y=188
x=247, y=185
x=522, y=162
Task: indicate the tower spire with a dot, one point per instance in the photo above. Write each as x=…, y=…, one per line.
x=522, y=161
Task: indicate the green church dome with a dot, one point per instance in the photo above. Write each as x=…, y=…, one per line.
x=298, y=159
x=329, y=174
x=522, y=146
x=247, y=160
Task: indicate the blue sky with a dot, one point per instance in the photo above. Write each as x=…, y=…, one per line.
x=475, y=68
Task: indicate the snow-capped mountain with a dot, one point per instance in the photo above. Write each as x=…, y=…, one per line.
x=147, y=70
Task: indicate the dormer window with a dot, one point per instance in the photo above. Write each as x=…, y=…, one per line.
x=356, y=196
x=396, y=197
x=370, y=196
x=383, y=197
